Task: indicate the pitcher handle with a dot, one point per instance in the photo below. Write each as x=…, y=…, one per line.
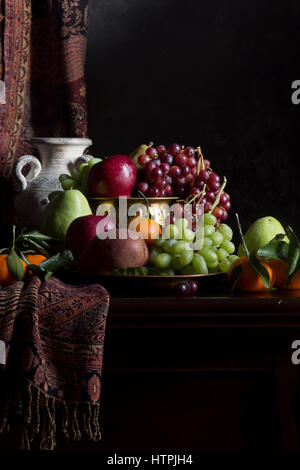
x=34, y=171
x=83, y=159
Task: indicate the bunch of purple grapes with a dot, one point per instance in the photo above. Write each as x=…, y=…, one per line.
x=167, y=171
x=172, y=171
x=210, y=181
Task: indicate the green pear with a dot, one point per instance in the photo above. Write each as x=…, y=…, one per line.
x=61, y=211
x=260, y=233
x=140, y=150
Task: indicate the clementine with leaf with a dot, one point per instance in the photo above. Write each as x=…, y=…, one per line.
x=248, y=279
x=6, y=276
x=280, y=269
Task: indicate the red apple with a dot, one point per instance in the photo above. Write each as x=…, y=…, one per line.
x=83, y=229
x=113, y=177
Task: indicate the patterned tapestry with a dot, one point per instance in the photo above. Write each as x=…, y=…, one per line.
x=42, y=58
x=51, y=377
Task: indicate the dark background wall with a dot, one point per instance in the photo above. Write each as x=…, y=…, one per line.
x=214, y=73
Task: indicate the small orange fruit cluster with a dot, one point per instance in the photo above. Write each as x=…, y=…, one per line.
x=6, y=277
x=250, y=281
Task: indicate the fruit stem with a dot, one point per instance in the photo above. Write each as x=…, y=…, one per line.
x=242, y=236
x=200, y=163
x=147, y=203
x=217, y=200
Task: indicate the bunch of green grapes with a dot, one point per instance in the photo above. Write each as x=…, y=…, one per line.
x=78, y=179
x=174, y=254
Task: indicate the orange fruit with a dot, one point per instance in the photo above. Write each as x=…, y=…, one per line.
x=249, y=280
x=148, y=229
x=280, y=270
x=35, y=259
x=6, y=277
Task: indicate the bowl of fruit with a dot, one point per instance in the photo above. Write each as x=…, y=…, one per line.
x=169, y=182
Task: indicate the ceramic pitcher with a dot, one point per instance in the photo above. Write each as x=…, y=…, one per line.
x=57, y=155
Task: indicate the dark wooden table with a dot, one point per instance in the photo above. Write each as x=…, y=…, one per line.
x=205, y=372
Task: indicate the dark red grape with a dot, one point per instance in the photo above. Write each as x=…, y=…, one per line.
x=169, y=179
x=191, y=162
x=198, y=183
x=194, y=171
x=203, y=175
x=213, y=186
x=183, y=289
x=203, y=201
x=162, y=193
x=156, y=173
x=161, y=149
x=165, y=167
x=180, y=181
x=150, y=166
x=206, y=163
x=207, y=207
x=174, y=171
x=167, y=158
x=143, y=187
x=227, y=205
x=218, y=212
x=225, y=215
x=180, y=159
x=210, y=196
x=189, y=152
x=152, y=152
x=185, y=170
x=189, y=178
x=153, y=191
x=194, y=191
x=161, y=183
x=143, y=159
x=179, y=191
x=174, y=149
x=227, y=195
x=194, y=287
x=169, y=190
x=223, y=198
x=214, y=177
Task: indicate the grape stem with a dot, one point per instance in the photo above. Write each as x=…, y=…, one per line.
x=147, y=203
x=218, y=195
x=242, y=236
x=200, y=164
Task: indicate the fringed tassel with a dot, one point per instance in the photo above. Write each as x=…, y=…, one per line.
x=48, y=441
x=25, y=444
x=36, y=418
x=75, y=425
x=65, y=420
x=40, y=417
x=97, y=432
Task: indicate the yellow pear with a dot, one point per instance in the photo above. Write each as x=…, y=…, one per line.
x=134, y=155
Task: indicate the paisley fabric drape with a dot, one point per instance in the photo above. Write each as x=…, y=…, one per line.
x=42, y=65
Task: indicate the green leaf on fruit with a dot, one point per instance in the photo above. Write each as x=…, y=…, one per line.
x=260, y=269
x=234, y=276
x=15, y=266
x=58, y=261
x=293, y=254
x=276, y=248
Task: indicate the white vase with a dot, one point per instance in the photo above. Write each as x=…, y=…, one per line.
x=57, y=155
